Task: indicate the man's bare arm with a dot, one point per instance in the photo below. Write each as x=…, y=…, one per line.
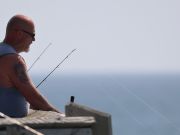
x=24, y=84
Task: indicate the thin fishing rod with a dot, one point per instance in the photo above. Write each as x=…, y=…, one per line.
x=55, y=68
x=40, y=56
x=26, y=129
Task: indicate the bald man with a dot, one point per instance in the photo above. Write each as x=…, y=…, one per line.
x=16, y=87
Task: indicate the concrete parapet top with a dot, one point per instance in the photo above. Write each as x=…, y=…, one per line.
x=48, y=119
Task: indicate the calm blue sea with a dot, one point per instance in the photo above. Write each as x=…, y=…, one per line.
x=140, y=104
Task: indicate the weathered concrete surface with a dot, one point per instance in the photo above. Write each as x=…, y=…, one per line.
x=52, y=123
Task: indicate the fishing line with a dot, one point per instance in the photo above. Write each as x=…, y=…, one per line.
x=114, y=102
x=146, y=104
x=122, y=106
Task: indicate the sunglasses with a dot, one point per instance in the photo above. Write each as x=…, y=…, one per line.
x=32, y=35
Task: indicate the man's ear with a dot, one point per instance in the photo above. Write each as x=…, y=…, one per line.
x=19, y=34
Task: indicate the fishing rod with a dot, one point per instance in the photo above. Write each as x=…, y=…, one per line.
x=40, y=56
x=55, y=68
x=28, y=130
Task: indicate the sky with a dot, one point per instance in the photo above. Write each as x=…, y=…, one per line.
x=111, y=36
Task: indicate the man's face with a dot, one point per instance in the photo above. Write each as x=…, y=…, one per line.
x=28, y=38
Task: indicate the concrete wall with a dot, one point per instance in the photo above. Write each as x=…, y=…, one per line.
x=103, y=124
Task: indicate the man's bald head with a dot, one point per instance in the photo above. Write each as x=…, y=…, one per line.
x=20, y=22
x=20, y=32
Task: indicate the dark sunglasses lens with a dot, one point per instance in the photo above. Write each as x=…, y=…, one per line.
x=30, y=34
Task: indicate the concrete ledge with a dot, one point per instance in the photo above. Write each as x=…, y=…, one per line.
x=103, y=124
x=48, y=123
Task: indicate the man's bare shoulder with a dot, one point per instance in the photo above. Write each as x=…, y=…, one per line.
x=8, y=66
x=12, y=58
x=16, y=69
x=8, y=62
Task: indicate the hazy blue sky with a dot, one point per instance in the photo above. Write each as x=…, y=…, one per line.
x=110, y=36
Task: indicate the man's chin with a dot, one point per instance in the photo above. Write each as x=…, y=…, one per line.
x=27, y=50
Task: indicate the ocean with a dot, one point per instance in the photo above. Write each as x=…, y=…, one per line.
x=140, y=104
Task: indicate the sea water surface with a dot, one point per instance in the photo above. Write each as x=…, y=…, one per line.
x=140, y=104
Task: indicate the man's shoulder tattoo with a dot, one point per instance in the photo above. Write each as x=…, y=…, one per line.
x=20, y=72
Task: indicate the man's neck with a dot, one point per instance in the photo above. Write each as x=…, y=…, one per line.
x=11, y=44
